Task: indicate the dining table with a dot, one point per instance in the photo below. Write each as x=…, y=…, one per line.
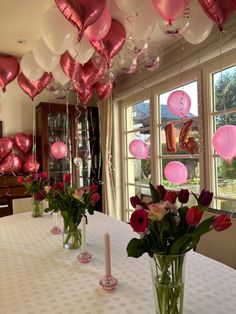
x=37, y=275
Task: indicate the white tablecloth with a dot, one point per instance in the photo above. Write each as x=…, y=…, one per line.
x=38, y=276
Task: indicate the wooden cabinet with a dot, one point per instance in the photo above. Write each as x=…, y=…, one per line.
x=10, y=189
x=55, y=123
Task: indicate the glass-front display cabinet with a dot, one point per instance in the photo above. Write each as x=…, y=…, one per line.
x=55, y=123
x=88, y=153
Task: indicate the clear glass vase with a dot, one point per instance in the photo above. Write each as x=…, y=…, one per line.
x=37, y=210
x=168, y=282
x=55, y=224
x=72, y=238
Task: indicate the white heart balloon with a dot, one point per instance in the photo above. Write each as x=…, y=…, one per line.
x=44, y=56
x=59, y=75
x=81, y=51
x=56, y=31
x=30, y=68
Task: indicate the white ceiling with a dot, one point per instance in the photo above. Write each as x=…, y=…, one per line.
x=20, y=19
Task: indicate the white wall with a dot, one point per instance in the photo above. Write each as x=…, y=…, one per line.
x=16, y=113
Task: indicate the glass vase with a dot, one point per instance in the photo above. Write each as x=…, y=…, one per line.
x=55, y=224
x=168, y=283
x=72, y=238
x=37, y=210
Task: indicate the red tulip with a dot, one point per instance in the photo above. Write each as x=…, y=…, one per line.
x=221, y=222
x=194, y=216
x=170, y=196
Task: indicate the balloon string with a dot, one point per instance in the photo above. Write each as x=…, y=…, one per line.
x=201, y=145
x=221, y=78
x=34, y=134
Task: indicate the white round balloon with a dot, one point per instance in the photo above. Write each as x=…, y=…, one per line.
x=59, y=75
x=56, y=31
x=30, y=68
x=141, y=25
x=81, y=51
x=200, y=26
x=44, y=57
x=130, y=6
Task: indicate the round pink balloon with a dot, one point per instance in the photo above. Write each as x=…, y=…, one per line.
x=176, y=172
x=139, y=149
x=179, y=103
x=101, y=27
x=59, y=150
x=169, y=10
x=224, y=141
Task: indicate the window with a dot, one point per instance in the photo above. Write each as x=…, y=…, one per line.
x=224, y=112
x=213, y=104
x=137, y=171
x=165, y=117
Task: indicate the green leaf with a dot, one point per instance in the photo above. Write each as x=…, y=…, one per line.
x=184, y=244
x=135, y=248
x=156, y=195
x=204, y=226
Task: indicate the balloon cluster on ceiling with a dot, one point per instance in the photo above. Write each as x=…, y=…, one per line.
x=83, y=46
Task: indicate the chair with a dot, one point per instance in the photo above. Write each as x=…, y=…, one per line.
x=220, y=246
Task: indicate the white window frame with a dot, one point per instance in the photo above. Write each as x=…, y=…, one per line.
x=203, y=75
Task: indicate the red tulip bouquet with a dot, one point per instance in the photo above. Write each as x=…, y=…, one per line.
x=166, y=234
x=35, y=184
x=72, y=204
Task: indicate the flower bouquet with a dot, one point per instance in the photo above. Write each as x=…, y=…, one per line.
x=35, y=184
x=72, y=204
x=166, y=234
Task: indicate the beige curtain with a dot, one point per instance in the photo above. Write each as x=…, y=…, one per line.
x=108, y=188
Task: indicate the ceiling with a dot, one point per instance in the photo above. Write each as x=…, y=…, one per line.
x=20, y=25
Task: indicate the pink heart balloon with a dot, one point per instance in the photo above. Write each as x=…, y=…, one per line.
x=6, y=146
x=89, y=74
x=9, y=69
x=31, y=165
x=11, y=164
x=23, y=142
x=81, y=13
x=70, y=67
x=33, y=88
x=103, y=90
x=85, y=94
x=112, y=43
x=217, y=10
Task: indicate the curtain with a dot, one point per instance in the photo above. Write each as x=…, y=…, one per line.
x=108, y=188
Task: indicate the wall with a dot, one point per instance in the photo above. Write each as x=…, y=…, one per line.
x=16, y=113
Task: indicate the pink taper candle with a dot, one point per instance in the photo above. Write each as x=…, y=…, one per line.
x=107, y=254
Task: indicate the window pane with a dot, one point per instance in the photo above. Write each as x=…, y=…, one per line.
x=226, y=178
x=224, y=89
x=227, y=205
x=223, y=119
x=193, y=183
x=194, y=132
x=191, y=90
x=142, y=135
x=136, y=190
x=139, y=171
x=137, y=116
